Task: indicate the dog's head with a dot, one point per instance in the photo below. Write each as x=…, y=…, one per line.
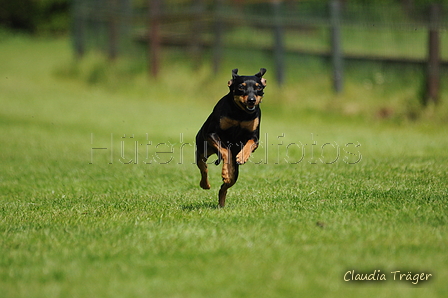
x=248, y=90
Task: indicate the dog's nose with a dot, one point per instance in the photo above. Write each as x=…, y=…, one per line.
x=251, y=100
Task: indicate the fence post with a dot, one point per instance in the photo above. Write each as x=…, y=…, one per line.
x=433, y=67
x=154, y=37
x=113, y=30
x=196, y=42
x=96, y=23
x=78, y=29
x=279, y=52
x=336, y=49
x=219, y=30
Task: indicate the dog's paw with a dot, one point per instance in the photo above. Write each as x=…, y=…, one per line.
x=242, y=158
x=204, y=184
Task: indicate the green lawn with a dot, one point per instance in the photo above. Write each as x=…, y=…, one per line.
x=371, y=194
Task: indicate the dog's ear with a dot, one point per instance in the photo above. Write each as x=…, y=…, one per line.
x=261, y=72
x=235, y=73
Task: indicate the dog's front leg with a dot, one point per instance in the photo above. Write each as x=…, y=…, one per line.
x=229, y=166
x=229, y=177
x=225, y=155
x=243, y=156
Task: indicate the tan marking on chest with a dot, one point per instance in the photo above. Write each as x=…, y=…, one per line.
x=250, y=125
x=226, y=123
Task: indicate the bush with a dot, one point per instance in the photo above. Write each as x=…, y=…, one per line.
x=37, y=17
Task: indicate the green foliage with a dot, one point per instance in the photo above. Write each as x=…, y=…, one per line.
x=42, y=16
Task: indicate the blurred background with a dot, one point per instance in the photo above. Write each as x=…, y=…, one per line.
x=392, y=53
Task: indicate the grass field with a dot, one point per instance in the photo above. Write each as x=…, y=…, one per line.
x=333, y=187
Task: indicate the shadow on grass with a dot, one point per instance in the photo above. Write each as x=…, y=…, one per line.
x=198, y=206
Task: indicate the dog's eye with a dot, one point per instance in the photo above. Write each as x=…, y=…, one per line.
x=259, y=88
x=241, y=87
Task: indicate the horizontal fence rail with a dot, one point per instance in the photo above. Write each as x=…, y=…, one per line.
x=216, y=25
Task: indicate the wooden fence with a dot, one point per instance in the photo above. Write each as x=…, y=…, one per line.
x=201, y=25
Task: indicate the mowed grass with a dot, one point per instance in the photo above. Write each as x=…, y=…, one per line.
x=79, y=222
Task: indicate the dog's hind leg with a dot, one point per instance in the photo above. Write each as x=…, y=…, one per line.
x=232, y=177
x=201, y=162
x=204, y=175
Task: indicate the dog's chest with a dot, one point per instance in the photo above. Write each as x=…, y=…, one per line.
x=226, y=123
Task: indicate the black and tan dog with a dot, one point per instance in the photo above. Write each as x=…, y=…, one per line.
x=232, y=130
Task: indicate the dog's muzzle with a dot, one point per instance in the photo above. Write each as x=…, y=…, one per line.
x=251, y=101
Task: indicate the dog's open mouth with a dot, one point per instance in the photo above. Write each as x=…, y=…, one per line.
x=250, y=107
